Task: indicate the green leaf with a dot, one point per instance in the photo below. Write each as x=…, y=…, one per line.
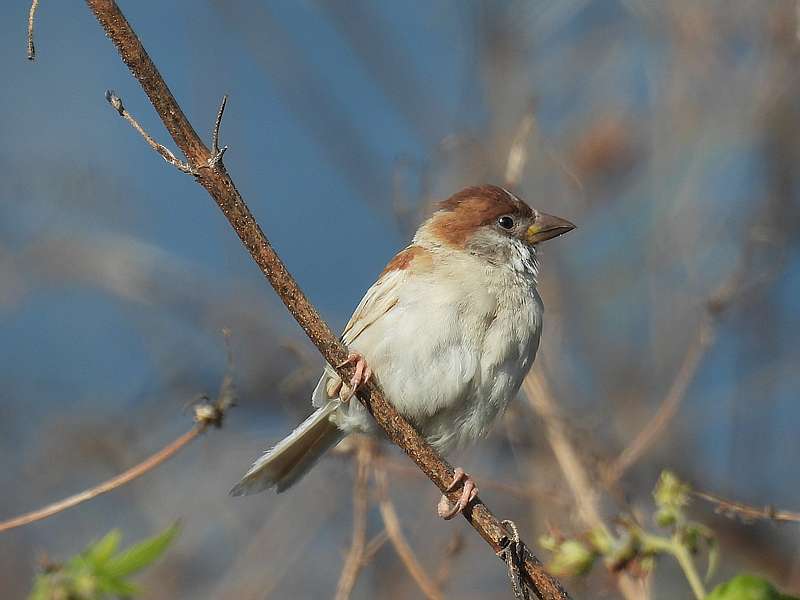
x=116, y=586
x=747, y=587
x=100, y=551
x=138, y=556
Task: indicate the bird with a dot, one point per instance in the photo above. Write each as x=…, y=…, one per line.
x=449, y=331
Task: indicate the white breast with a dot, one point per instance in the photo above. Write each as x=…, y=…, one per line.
x=453, y=351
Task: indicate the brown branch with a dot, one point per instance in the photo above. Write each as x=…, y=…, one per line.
x=354, y=561
x=123, y=478
x=205, y=414
x=31, y=18
x=221, y=187
x=746, y=512
x=395, y=532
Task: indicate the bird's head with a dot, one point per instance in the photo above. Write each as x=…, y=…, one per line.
x=490, y=222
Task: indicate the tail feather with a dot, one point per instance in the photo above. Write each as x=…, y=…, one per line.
x=286, y=463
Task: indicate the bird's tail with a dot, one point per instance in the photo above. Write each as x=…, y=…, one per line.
x=292, y=457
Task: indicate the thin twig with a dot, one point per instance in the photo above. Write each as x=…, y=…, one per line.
x=395, y=532
x=669, y=405
x=206, y=414
x=354, y=561
x=223, y=190
x=747, y=512
x=374, y=545
x=123, y=478
x=116, y=103
x=732, y=288
x=31, y=18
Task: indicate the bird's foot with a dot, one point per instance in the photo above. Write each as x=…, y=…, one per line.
x=468, y=494
x=361, y=375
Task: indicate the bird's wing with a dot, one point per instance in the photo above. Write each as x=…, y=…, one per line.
x=379, y=300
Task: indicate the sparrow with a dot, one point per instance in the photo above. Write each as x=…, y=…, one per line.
x=449, y=331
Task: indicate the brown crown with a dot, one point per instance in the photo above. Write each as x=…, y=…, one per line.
x=473, y=207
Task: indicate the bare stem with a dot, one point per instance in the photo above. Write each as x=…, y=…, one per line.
x=673, y=546
x=205, y=414
x=395, y=532
x=133, y=473
x=747, y=512
x=668, y=408
x=355, y=557
x=31, y=19
x=116, y=103
x=222, y=188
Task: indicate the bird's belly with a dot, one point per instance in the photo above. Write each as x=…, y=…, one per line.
x=452, y=368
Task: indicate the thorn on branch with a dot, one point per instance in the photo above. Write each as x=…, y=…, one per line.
x=116, y=103
x=215, y=149
x=31, y=17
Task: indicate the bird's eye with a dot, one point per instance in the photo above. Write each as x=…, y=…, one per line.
x=506, y=222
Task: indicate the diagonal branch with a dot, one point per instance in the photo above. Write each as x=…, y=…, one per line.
x=205, y=415
x=222, y=189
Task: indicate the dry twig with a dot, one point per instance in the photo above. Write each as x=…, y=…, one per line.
x=746, y=512
x=717, y=303
x=206, y=414
x=669, y=405
x=355, y=557
x=220, y=186
x=31, y=18
x=116, y=103
x=374, y=545
x=392, y=524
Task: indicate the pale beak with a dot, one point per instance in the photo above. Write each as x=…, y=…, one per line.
x=546, y=227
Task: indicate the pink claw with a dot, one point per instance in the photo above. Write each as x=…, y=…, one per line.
x=468, y=494
x=362, y=374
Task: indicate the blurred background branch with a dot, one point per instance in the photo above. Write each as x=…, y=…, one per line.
x=206, y=414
